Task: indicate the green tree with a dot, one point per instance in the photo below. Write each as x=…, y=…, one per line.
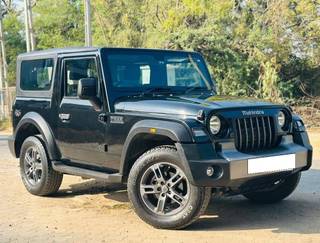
x=119, y=22
x=58, y=23
x=263, y=48
x=14, y=42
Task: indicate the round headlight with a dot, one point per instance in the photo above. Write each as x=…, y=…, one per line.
x=281, y=119
x=215, y=125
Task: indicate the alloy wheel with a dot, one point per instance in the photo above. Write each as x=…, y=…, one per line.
x=33, y=166
x=164, y=189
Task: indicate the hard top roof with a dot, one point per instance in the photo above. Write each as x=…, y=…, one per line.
x=57, y=51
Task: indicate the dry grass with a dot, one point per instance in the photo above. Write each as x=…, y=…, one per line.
x=314, y=135
x=5, y=126
x=310, y=116
x=309, y=110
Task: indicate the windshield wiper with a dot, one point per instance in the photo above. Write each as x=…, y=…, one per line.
x=190, y=89
x=157, y=90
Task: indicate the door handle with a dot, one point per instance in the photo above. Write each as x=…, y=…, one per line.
x=103, y=118
x=64, y=117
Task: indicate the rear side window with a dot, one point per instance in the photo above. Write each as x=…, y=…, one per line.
x=36, y=74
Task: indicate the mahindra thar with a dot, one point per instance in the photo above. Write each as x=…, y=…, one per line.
x=150, y=119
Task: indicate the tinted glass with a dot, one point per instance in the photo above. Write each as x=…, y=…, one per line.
x=76, y=69
x=36, y=74
x=157, y=69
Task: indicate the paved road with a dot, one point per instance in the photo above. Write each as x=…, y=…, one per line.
x=93, y=211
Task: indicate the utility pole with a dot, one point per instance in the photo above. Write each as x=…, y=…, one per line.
x=87, y=23
x=2, y=64
x=31, y=31
x=30, y=38
x=26, y=23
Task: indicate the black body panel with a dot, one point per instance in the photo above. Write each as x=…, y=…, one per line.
x=108, y=135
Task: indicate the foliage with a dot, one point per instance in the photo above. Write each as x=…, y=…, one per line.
x=14, y=43
x=254, y=47
x=58, y=23
x=263, y=48
x=5, y=124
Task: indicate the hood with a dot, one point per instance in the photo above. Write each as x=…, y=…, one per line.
x=187, y=105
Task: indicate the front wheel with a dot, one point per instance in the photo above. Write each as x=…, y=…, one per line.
x=161, y=193
x=279, y=192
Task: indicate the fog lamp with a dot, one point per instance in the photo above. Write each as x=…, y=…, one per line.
x=210, y=171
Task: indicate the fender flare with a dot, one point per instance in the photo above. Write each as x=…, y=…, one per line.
x=39, y=122
x=177, y=132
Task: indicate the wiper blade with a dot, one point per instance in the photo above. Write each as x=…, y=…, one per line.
x=196, y=88
x=157, y=90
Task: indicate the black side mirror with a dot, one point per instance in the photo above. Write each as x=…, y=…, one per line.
x=87, y=88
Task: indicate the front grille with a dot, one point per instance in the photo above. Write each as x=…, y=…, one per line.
x=255, y=133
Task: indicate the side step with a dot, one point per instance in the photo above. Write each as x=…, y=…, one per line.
x=73, y=170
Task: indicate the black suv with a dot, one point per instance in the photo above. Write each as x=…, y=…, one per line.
x=151, y=119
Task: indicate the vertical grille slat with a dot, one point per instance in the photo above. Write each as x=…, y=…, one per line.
x=264, y=133
x=258, y=133
x=246, y=131
x=269, y=133
x=239, y=134
x=255, y=133
x=274, y=139
x=252, y=134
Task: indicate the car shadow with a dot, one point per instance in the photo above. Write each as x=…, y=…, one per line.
x=300, y=213
x=234, y=214
x=92, y=187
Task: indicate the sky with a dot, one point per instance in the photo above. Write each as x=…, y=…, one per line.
x=19, y=3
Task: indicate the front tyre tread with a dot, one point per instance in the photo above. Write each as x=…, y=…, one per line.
x=196, y=206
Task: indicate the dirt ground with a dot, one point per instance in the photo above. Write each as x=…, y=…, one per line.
x=91, y=211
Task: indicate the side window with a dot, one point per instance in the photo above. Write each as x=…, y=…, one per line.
x=76, y=69
x=36, y=74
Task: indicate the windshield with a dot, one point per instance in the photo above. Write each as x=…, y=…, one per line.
x=145, y=69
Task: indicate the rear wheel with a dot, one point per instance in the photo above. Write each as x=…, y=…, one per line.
x=35, y=168
x=161, y=193
x=279, y=192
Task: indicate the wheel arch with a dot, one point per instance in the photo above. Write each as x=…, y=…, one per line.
x=31, y=124
x=148, y=134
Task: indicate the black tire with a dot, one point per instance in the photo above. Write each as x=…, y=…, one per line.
x=194, y=206
x=280, y=192
x=49, y=180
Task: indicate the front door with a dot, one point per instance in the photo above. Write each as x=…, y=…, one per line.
x=81, y=131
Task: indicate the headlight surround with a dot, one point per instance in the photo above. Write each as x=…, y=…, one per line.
x=282, y=119
x=215, y=125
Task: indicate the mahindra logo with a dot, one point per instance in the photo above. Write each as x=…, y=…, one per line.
x=251, y=113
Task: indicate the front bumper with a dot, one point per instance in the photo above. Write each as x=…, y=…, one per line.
x=231, y=166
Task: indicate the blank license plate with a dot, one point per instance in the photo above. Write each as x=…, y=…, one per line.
x=272, y=164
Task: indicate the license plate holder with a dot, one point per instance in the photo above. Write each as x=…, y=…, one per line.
x=272, y=164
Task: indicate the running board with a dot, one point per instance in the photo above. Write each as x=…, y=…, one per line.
x=73, y=170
